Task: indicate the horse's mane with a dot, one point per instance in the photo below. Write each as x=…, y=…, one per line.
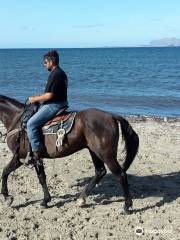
x=11, y=101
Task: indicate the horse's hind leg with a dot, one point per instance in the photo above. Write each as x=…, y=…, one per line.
x=100, y=172
x=12, y=166
x=116, y=169
x=42, y=179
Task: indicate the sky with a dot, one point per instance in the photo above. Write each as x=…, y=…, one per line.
x=86, y=23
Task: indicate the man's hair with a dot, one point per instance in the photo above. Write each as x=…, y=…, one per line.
x=52, y=56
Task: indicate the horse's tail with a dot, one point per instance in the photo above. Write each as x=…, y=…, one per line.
x=131, y=141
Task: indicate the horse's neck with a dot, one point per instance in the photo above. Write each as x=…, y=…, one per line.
x=16, y=121
x=9, y=114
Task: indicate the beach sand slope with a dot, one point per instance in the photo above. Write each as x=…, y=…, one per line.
x=154, y=179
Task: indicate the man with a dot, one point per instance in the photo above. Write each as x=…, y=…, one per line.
x=53, y=99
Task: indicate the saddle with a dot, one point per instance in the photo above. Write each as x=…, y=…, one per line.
x=60, y=124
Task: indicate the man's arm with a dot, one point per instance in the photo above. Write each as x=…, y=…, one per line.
x=44, y=97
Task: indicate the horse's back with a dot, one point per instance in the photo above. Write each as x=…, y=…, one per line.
x=94, y=114
x=96, y=120
x=100, y=130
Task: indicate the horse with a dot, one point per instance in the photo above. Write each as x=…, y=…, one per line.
x=94, y=129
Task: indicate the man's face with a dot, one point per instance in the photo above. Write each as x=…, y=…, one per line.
x=48, y=64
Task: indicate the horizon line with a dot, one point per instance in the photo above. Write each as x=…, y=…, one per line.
x=143, y=46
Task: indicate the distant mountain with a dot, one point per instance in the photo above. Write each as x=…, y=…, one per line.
x=165, y=42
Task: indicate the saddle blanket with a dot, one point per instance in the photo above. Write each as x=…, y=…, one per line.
x=64, y=121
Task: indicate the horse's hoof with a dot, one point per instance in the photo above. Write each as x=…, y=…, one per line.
x=44, y=204
x=127, y=210
x=9, y=200
x=81, y=201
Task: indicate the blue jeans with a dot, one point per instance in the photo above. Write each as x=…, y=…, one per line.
x=35, y=123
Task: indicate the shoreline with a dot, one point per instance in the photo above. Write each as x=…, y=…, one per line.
x=141, y=118
x=144, y=118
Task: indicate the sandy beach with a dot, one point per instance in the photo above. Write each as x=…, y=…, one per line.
x=154, y=179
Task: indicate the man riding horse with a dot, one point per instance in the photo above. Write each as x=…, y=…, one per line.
x=93, y=129
x=53, y=99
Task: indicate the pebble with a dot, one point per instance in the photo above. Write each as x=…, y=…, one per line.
x=13, y=238
x=11, y=216
x=36, y=225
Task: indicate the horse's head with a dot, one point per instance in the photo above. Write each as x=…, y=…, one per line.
x=9, y=110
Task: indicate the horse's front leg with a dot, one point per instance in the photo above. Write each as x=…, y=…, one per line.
x=11, y=166
x=42, y=179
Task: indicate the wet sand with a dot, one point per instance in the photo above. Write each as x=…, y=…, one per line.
x=154, y=179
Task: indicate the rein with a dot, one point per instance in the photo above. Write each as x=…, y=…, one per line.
x=19, y=131
x=16, y=130
x=25, y=108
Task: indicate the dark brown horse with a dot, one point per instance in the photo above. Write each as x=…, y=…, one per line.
x=93, y=129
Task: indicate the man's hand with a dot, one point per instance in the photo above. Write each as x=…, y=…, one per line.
x=32, y=100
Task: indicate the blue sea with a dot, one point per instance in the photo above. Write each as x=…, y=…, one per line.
x=126, y=81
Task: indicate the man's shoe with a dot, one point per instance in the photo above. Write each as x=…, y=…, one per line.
x=32, y=158
x=36, y=159
x=36, y=155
